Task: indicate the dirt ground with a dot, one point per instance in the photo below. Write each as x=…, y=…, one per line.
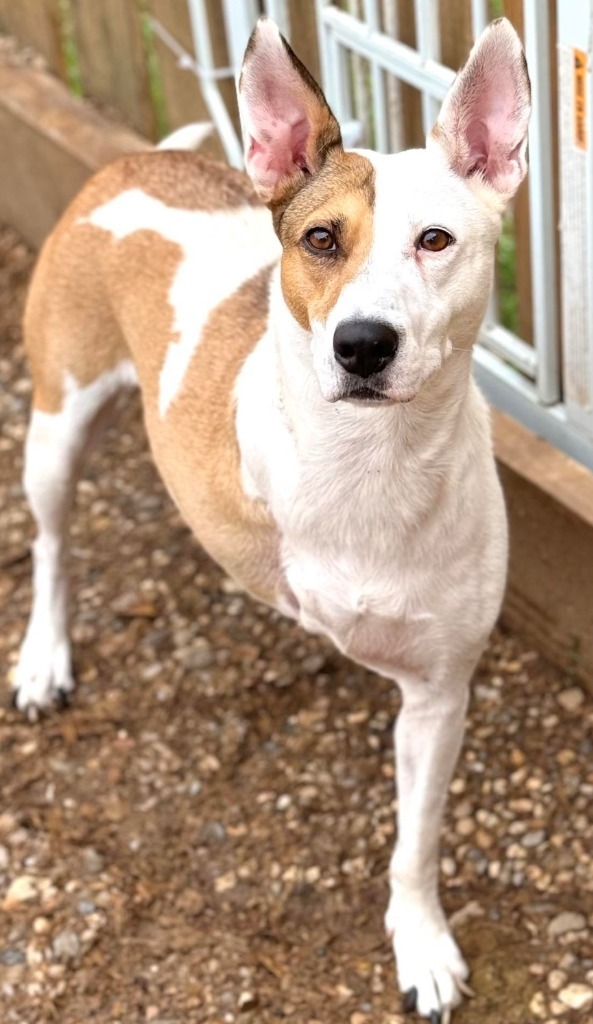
x=204, y=835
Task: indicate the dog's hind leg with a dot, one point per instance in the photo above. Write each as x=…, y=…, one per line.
x=55, y=447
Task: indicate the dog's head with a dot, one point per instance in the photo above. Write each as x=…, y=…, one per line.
x=387, y=260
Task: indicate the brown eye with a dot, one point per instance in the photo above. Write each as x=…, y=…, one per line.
x=320, y=240
x=434, y=240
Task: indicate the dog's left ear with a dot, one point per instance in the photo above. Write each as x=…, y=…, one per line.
x=287, y=124
x=483, y=122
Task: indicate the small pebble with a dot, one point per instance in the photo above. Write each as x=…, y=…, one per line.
x=533, y=839
x=568, y=921
x=577, y=996
x=225, y=882
x=21, y=890
x=66, y=945
x=571, y=699
x=11, y=957
x=556, y=979
x=247, y=1001
x=92, y=861
x=538, y=1006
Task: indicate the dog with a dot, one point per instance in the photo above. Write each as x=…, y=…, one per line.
x=302, y=343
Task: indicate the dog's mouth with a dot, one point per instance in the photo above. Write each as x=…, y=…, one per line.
x=365, y=394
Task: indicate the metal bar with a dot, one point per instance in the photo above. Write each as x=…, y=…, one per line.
x=239, y=21
x=185, y=61
x=480, y=17
x=334, y=78
x=380, y=121
x=429, y=48
x=509, y=347
x=389, y=54
x=323, y=34
x=340, y=84
x=541, y=200
x=278, y=11
x=210, y=92
x=361, y=98
x=510, y=392
x=589, y=207
x=394, y=89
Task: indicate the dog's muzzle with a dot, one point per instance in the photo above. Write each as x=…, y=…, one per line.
x=365, y=347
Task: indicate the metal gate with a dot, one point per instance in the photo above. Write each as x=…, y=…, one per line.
x=546, y=385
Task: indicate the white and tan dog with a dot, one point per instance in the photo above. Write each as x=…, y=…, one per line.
x=309, y=403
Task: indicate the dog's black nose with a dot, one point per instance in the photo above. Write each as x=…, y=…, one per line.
x=364, y=347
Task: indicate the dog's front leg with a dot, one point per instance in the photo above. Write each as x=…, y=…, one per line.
x=428, y=736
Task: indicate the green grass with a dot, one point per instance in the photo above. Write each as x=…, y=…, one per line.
x=72, y=67
x=69, y=47
x=508, y=300
x=155, y=81
x=496, y=8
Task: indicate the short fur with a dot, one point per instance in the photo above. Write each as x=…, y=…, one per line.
x=368, y=509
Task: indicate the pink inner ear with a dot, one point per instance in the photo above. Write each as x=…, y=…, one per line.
x=485, y=116
x=280, y=149
x=281, y=109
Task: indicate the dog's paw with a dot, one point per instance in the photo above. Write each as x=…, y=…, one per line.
x=42, y=678
x=431, y=971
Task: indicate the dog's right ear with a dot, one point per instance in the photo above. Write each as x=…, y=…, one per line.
x=287, y=125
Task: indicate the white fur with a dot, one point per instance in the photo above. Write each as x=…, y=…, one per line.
x=209, y=241
x=55, y=443
x=394, y=546
x=393, y=527
x=421, y=294
x=392, y=524
x=189, y=137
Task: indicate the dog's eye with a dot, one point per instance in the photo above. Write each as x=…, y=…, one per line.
x=434, y=240
x=320, y=240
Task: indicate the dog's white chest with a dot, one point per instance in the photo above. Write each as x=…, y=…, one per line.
x=365, y=615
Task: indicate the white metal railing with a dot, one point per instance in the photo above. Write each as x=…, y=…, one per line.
x=363, y=63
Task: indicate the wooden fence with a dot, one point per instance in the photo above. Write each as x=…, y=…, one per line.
x=107, y=50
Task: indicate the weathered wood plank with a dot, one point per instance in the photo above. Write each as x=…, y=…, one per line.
x=550, y=588
x=112, y=60
x=35, y=24
x=455, y=23
x=303, y=34
x=182, y=93
x=53, y=143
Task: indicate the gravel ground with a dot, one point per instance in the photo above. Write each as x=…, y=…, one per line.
x=204, y=835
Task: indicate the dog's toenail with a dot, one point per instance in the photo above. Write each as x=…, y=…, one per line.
x=410, y=998
x=435, y=1017
x=63, y=698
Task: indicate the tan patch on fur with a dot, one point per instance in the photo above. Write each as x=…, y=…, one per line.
x=94, y=302
x=195, y=445
x=341, y=197
x=69, y=326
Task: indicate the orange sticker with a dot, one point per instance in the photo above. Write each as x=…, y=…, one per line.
x=580, y=98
